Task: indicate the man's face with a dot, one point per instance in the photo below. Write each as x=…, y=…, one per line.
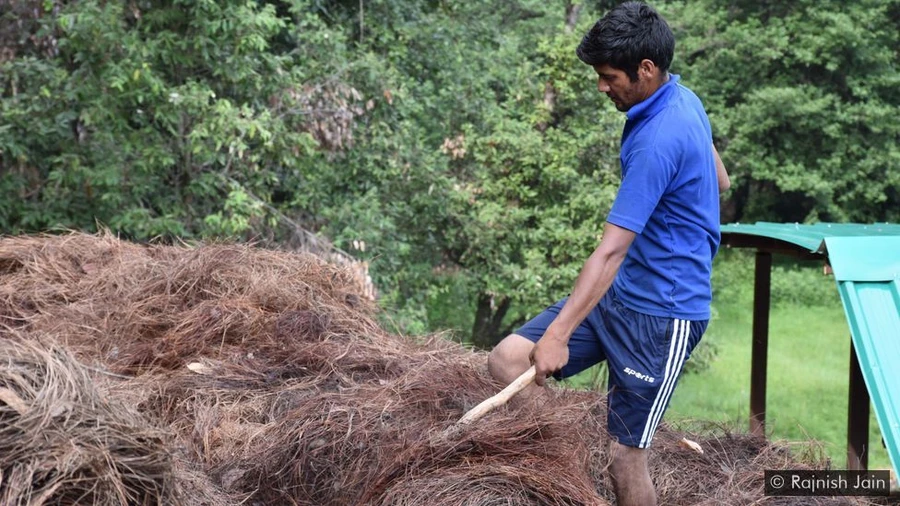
x=619, y=87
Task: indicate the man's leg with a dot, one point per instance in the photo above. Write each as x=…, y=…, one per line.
x=645, y=355
x=509, y=359
x=631, y=476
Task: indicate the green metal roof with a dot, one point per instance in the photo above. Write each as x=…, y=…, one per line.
x=810, y=236
x=865, y=259
x=867, y=271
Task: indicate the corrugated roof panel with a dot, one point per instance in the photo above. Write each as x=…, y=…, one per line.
x=810, y=236
x=865, y=258
x=867, y=271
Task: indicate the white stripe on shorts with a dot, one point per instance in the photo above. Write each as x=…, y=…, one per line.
x=677, y=351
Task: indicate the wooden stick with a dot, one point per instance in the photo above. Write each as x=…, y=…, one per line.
x=519, y=384
x=488, y=405
x=12, y=400
x=691, y=445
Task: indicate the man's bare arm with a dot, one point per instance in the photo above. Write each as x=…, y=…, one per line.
x=721, y=173
x=598, y=273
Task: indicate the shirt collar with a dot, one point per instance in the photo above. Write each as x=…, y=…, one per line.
x=655, y=102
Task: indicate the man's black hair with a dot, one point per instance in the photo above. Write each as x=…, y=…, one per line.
x=627, y=35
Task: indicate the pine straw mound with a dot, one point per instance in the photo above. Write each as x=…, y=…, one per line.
x=278, y=387
x=62, y=443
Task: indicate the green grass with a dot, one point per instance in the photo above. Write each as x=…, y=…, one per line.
x=808, y=368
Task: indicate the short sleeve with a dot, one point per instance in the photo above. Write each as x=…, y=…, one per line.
x=646, y=175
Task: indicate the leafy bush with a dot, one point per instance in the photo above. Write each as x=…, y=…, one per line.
x=706, y=350
x=793, y=282
x=802, y=284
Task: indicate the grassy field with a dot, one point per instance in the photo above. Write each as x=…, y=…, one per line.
x=809, y=346
x=807, y=379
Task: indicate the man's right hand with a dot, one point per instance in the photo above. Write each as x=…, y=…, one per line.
x=548, y=356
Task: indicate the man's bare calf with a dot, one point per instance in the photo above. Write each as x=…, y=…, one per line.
x=631, y=476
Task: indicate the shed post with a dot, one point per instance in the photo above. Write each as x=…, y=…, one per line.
x=759, y=360
x=857, y=417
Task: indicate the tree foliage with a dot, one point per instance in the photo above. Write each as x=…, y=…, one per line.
x=144, y=116
x=459, y=147
x=803, y=98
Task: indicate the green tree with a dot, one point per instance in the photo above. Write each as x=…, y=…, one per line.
x=452, y=144
x=458, y=147
x=156, y=118
x=491, y=169
x=803, y=98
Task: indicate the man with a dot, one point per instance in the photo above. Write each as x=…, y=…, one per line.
x=641, y=301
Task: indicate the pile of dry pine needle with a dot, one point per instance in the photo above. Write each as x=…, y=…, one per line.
x=228, y=374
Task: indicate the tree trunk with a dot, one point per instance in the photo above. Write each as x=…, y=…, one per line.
x=572, y=12
x=488, y=328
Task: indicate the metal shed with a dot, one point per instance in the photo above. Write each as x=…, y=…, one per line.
x=865, y=260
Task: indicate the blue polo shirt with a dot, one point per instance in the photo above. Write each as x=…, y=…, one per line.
x=669, y=197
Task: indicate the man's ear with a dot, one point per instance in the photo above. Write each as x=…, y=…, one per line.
x=647, y=69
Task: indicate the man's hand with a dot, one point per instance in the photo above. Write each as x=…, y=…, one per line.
x=548, y=356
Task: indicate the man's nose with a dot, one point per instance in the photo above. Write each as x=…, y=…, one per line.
x=602, y=86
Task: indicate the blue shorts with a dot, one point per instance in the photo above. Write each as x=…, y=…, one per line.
x=645, y=355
